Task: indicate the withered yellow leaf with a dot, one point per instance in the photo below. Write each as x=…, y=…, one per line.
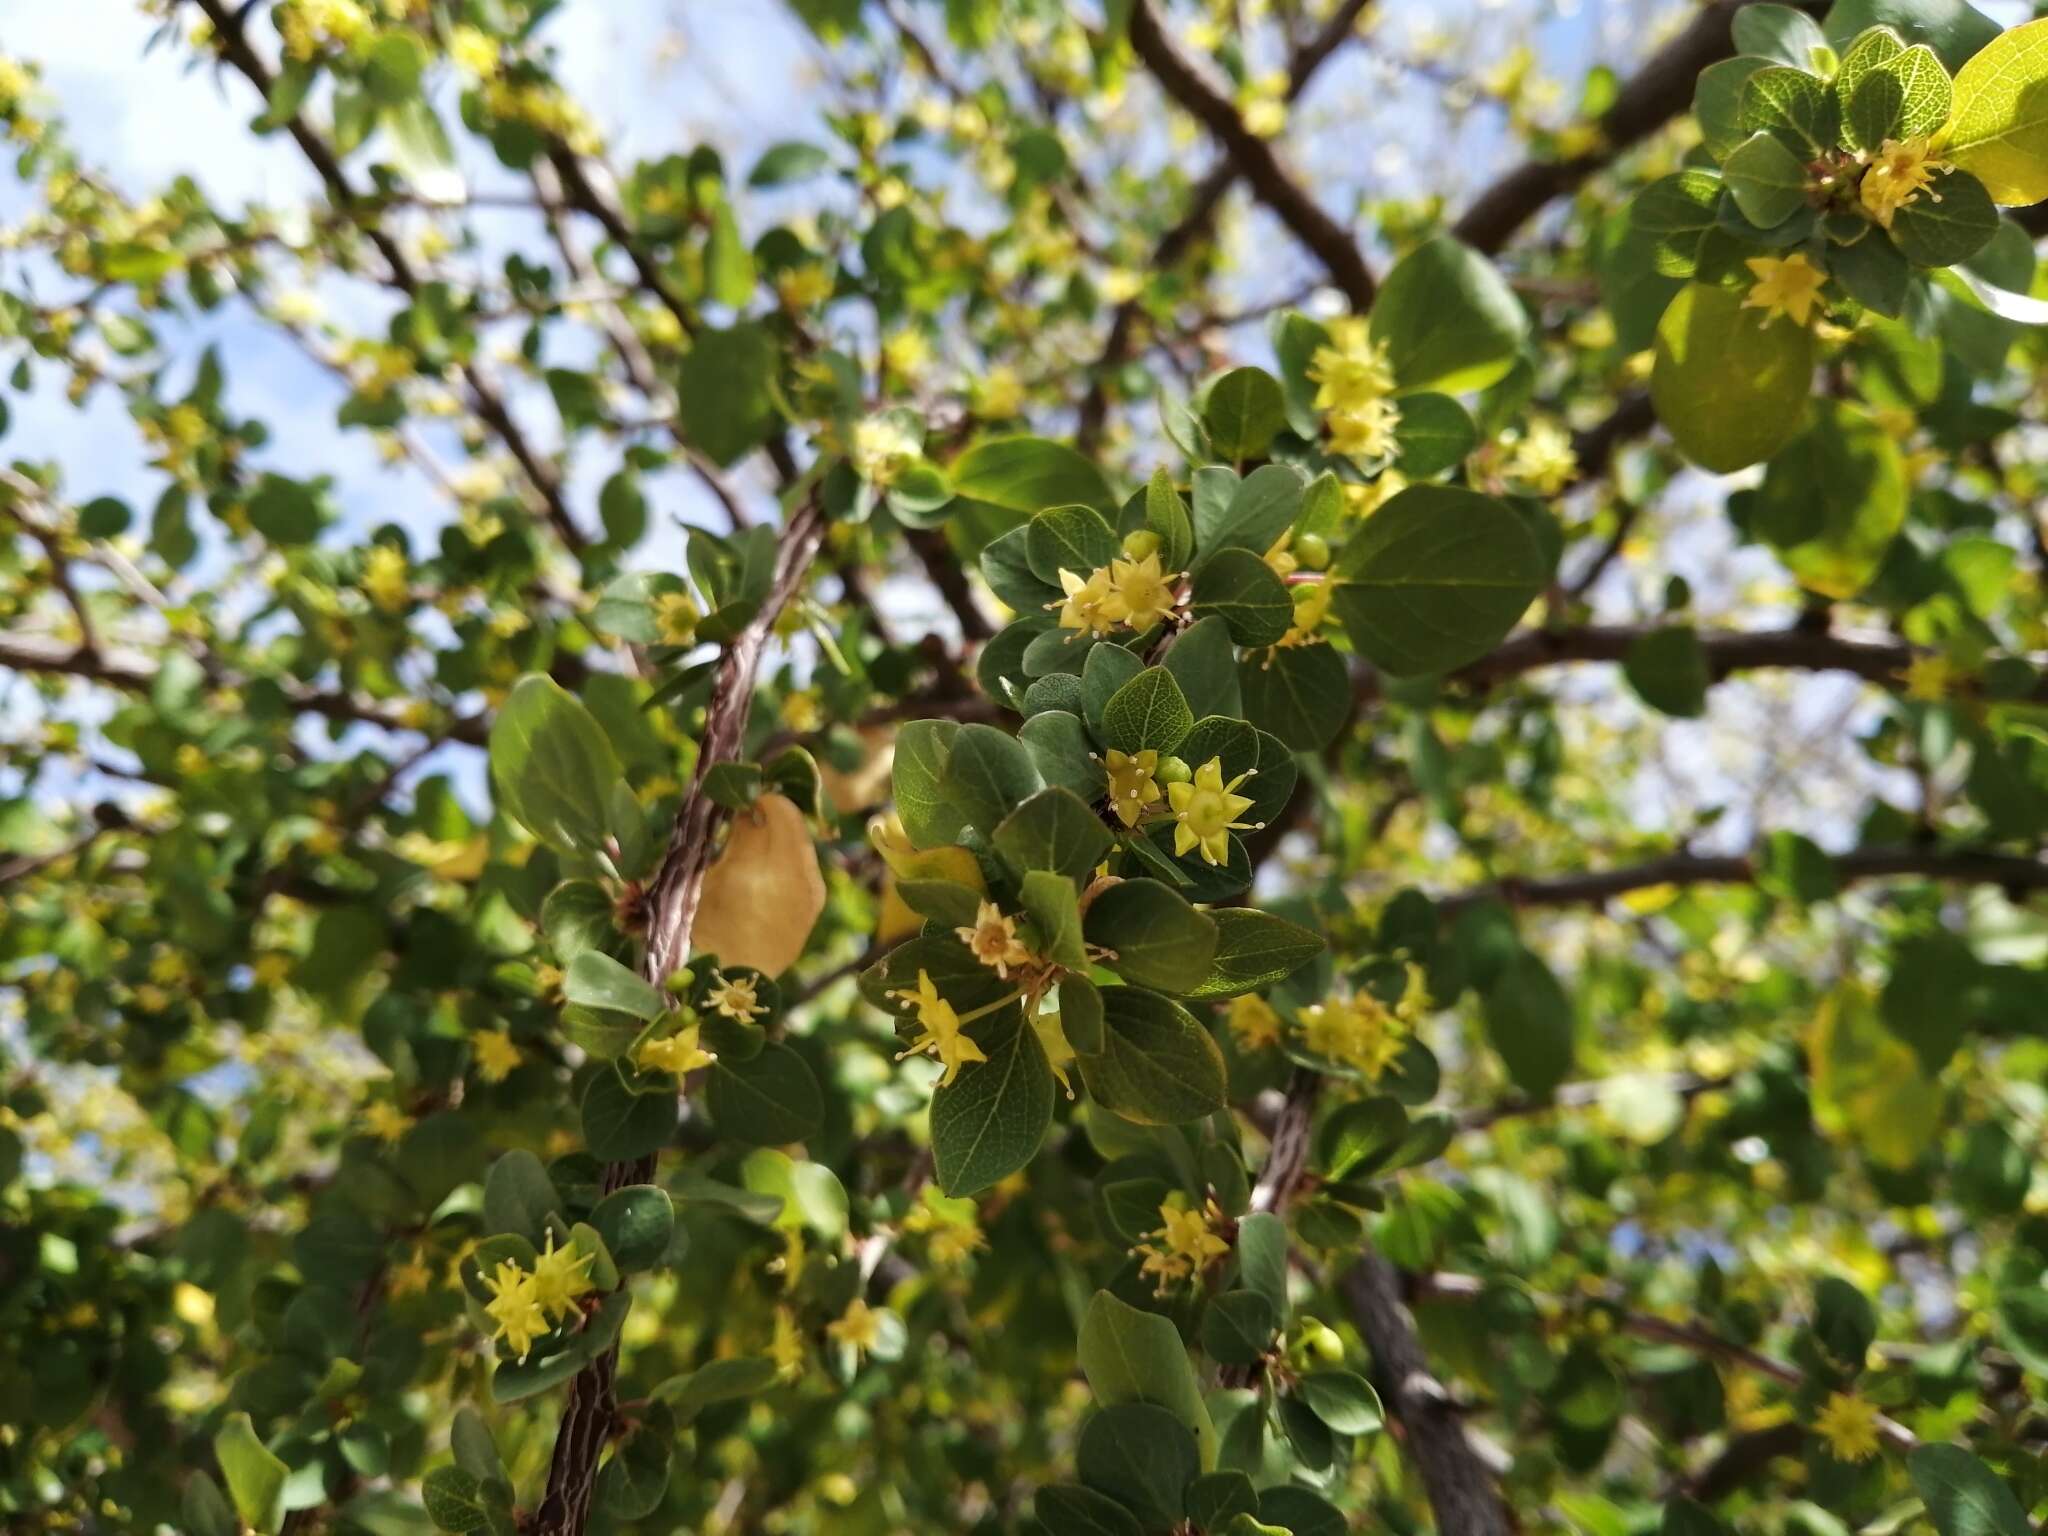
x=764, y=893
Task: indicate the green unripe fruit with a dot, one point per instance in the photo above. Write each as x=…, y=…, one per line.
x=1173, y=770
x=1321, y=1342
x=1313, y=551
x=680, y=981
x=1139, y=543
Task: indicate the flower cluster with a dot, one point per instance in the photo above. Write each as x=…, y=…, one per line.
x=1354, y=386
x=1361, y=1031
x=1137, y=592
x=1184, y=1244
x=1897, y=174
x=526, y=1303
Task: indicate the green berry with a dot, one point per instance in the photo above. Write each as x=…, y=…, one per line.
x=1173, y=770
x=1139, y=543
x=1313, y=551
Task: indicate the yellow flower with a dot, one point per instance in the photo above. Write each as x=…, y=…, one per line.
x=993, y=939
x=882, y=449
x=560, y=1275
x=1366, y=431
x=954, y=1242
x=473, y=51
x=1059, y=1051
x=802, y=711
x=1253, y=1023
x=1089, y=606
x=1311, y=607
x=1143, y=591
x=860, y=1325
x=1929, y=678
x=675, y=618
x=412, y=1278
x=943, y=1036
x=1187, y=1243
x=735, y=998
x=679, y=1053
x=1543, y=458
x=515, y=1308
x=801, y=287
x=1897, y=173
x=385, y=1121
x=786, y=1346
x=385, y=577
x=1362, y=1032
x=1131, y=785
x=496, y=1056
x=1848, y=1426
x=1001, y=394
x=1206, y=810
x=1352, y=370
x=1790, y=287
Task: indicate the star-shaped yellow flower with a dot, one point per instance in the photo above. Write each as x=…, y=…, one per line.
x=1132, y=786
x=735, y=998
x=993, y=939
x=942, y=1035
x=1143, y=591
x=1899, y=172
x=1790, y=287
x=1090, y=606
x=385, y=1121
x=679, y=1053
x=1184, y=1244
x=515, y=1308
x=1365, y=431
x=1253, y=1023
x=1848, y=1426
x=496, y=1056
x=860, y=1325
x=560, y=1275
x=1206, y=811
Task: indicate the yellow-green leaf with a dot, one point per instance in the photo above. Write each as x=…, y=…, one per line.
x=1999, y=132
x=1729, y=388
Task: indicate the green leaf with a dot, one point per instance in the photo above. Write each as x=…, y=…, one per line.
x=1999, y=131
x=1204, y=663
x=1360, y=1136
x=1844, y=1323
x=1342, y=1400
x=1766, y=179
x=1254, y=950
x=596, y=980
x=1054, y=907
x=1254, y=513
x=1300, y=1512
x=1435, y=433
x=728, y=264
x=1791, y=103
x=1158, y=1066
x=1006, y=567
x=1141, y=1456
x=1673, y=214
x=475, y=1451
x=1302, y=695
x=918, y=782
x=205, y=1509
x=725, y=390
x=716, y=1381
x=630, y=1485
x=1717, y=104
x=421, y=151
x=1215, y=1497
x=1435, y=579
x=454, y=1500
x=1238, y=586
x=1159, y=939
x=1874, y=272
x=1053, y=830
x=1963, y=1496
x=1779, y=33
x=1905, y=96
x=1242, y=411
x=987, y=773
x=1834, y=500
x=255, y=1478
x=619, y=1123
x=989, y=1121
x=1067, y=1509
x=1668, y=668
x=1952, y=230
x=786, y=162
x=553, y=766
x=1448, y=319
x=1149, y=713
x=1238, y=1327
x=1953, y=28
x=1529, y=1021
x=519, y=1196
x=768, y=1100
x=285, y=511
x=1131, y=1356
x=1029, y=474
x=2023, y=1325
x=1059, y=748
x=1072, y=539
x=1166, y=516
x=636, y=1223
x=1730, y=390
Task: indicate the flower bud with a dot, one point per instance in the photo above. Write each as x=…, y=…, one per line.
x=1173, y=770
x=680, y=981
x=1139, y=543
x=1312, y=550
